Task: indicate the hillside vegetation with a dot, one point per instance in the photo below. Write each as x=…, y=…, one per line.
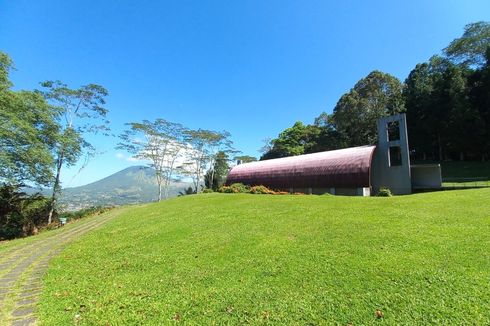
x=465, y=169
x=305, y=260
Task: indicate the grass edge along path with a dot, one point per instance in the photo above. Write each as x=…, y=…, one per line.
x=23, y=263
x=258, y=259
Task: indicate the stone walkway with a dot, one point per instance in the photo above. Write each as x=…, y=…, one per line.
x=22, y=267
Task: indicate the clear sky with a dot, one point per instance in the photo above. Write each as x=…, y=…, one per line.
x=250, y=67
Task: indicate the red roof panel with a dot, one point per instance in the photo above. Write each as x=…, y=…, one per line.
x=343, y=168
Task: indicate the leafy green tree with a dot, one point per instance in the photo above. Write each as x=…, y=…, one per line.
x=204, y=145
x=442, y=122
x=305, y=139
x=216, y=176
x=464, y=124
x=81, y=112
x=20, y=214
x=377, y=95
x=447, y=102
x=427, y=114
x=160, y=142
x=479, y=97
x=28, y=128
x=27, y=132
x=245, y=158
x=418, y=102
x=328, y=138
x=470, y=48
x=268, y=145
x=6, y=65
x=296, y=140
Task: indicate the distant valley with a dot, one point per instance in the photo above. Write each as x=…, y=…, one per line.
x=132, y=185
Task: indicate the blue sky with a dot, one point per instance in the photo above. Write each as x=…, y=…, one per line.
x=250, y=67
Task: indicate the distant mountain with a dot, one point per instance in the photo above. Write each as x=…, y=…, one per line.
x=132, y=185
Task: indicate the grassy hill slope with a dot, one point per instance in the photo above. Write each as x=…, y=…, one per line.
x=237, y=259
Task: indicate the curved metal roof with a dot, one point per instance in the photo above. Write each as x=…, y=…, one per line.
x=343, y=168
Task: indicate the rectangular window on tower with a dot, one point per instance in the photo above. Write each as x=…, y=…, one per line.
x=393, y=129
x=395, y=156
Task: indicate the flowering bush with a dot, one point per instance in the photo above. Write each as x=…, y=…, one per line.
x=261, y=190
x=236, y=188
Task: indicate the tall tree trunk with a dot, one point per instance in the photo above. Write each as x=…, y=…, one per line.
x=439, y=144
x=198, y=178
x=159, y=191
x=168, y=179
x=211, y=181
x=159, y=182
x=56, y=188
x=159, y=179
x=167, y=185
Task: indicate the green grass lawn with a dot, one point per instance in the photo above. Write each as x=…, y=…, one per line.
x=260, y=259
x=466, y=184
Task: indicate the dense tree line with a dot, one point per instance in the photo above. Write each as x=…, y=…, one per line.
x=447, y=102
x=448, y=110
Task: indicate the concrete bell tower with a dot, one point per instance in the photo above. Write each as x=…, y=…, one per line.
x=391, y=162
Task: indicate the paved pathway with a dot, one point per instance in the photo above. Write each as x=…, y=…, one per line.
x=22, y=267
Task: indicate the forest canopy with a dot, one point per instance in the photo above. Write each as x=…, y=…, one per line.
x=446, y=100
